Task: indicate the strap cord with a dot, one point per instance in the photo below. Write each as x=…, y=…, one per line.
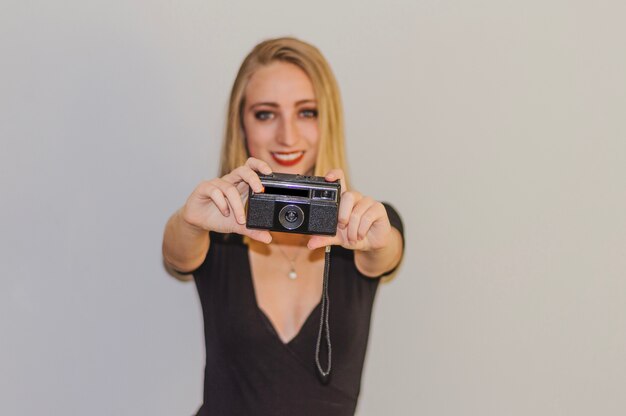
x=324, y=327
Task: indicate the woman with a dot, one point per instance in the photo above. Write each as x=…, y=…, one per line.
x=260, y=291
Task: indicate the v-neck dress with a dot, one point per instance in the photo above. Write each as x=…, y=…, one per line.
x=249, y=370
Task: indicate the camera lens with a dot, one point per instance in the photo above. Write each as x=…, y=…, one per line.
x=291, y=217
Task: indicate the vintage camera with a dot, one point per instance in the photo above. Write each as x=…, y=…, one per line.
x=295, y=204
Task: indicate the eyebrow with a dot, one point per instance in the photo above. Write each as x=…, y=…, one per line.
x=275, y=105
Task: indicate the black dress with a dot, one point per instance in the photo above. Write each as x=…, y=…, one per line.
x=249, y=370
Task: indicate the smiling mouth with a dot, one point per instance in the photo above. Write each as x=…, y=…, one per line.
x=288, y=158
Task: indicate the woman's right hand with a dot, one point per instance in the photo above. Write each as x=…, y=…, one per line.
x=218, y=204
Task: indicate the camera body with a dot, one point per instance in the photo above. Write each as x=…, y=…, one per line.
x=295, y=204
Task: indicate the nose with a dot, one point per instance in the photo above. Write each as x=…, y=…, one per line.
x=288, y=134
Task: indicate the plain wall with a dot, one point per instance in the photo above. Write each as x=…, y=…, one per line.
x=496, y=128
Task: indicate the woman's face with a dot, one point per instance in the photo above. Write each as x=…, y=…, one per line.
x=280, y=118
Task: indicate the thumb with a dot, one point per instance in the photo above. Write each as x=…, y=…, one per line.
x=318, y=241
x=259, y=235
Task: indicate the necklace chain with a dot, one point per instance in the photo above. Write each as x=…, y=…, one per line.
x=293, y=275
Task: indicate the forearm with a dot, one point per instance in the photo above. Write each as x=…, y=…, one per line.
x=373, y=263
x=184, y=245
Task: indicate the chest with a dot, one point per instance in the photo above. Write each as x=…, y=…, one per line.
x=240, y=343
x=287, y=302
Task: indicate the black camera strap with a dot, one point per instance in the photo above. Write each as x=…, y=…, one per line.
x=324, y=328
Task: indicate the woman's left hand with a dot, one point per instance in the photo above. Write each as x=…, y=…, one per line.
x=362, y=222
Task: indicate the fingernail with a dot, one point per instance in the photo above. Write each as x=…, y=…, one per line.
x=242, y=219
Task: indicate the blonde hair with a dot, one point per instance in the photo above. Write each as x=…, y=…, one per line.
x=331, y=152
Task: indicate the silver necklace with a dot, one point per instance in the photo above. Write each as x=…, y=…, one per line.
x=293, y=275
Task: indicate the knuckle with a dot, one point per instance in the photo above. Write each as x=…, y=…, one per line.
x=207, y=187
x=368, y=217
x=248, y=173
x=231, y=190
x=208, y=183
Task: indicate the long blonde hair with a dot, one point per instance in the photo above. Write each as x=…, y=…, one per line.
x=331, y=153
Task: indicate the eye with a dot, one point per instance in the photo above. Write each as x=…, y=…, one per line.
x=263, y=115
x=309, y=113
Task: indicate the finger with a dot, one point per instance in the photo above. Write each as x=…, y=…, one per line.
x=210, y=191
x=234, y=199
x=258, y=165
x=348, y=200
x=259, y=235
x=247, y=175
x=218, y=199
x=337, y=174
x=263, y=236
x=374, y=212
x=243, y=189
x=355, y=218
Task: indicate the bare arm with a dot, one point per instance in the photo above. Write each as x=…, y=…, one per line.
x=184, y=245
x=215, y=205
x=363, y=226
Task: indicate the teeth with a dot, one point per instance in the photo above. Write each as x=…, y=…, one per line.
x=288, y=157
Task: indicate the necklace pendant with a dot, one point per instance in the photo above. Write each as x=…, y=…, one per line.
x=293, y=275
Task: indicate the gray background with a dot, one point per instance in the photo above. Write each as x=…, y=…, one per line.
x=497, y=128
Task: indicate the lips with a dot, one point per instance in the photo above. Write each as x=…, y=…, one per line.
x=287, y=158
